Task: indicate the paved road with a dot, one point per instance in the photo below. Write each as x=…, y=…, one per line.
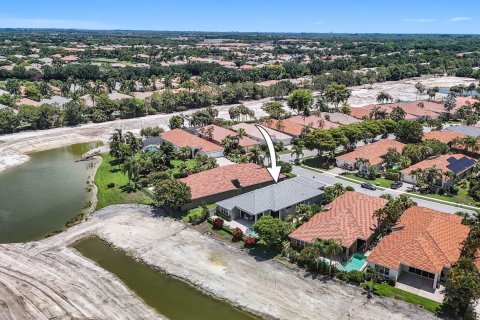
x=330, y=179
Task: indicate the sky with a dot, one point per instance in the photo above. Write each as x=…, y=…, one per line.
x=341, y=16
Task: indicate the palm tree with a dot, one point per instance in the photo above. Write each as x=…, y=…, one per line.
x=420, y=89
x=331, y=248
x=131, y=168
x=384, y=97
x=184, y=153
x=255, y=155
x=297, y=150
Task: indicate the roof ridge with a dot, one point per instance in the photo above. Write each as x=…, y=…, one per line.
x=426, y=254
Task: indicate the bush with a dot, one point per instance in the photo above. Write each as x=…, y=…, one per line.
x=342, y=275
x=250, y=241
x=356, y=276
x=237, y=234
x=285, y=167
x=111, y=185
x=217, y=223
x=392, y=175
x=143, y=182
x=349, y=188
x=197, y=216
x=454, y=189
x=391, y=282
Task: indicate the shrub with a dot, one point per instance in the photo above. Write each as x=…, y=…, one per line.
x=392, y=175
x=237, y=234
x=250, y=241
x=111, y=185
x=285, y=167
x=217, y=223
x=355, y=276
x=454, y=189
x=349, y=188
x=391, y=282
x=143, y=182
x=198, y=216
x=342, y=275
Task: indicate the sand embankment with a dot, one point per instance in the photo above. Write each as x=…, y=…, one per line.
x=48, y=279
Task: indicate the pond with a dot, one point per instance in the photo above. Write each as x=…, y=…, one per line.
x=42, y=194
x=170, y=297
x=446, y=90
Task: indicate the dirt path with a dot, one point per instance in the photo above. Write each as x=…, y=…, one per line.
x=47, y=279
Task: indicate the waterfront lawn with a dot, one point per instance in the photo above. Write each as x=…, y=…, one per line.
x=385, y=290
x=195, y=211
x=381, y=182
x=121, y=192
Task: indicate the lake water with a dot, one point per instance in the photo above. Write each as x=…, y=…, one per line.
x=39, y=196
x=446, y=90
x=170, y=297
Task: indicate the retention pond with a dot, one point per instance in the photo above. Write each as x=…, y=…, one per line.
x=42, y=194
x=170, y=297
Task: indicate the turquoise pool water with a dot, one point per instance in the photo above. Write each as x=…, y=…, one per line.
x=356, y=262
x=251, y=233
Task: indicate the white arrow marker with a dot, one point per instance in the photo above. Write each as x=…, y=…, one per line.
x=274, y=170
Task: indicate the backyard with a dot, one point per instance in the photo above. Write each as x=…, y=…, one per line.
x=113, y=187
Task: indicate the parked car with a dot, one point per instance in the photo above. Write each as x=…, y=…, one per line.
x=396, y=184
x=369, y=186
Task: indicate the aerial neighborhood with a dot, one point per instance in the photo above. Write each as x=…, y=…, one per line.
x=176, y=138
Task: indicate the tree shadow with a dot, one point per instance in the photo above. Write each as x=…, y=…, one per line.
x=262, y=252
x=128, y=188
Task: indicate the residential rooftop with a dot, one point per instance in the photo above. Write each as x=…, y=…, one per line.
x=218, y=134
x=443, y=136
x=372, y=152
x=222, y=179
x=287, y=126
x=423, y=238
x=347, y=218
x=313, y=122
x=276, y=196
x=182, y=138
x=466, y=130
x=252, y=131
x=455, y=163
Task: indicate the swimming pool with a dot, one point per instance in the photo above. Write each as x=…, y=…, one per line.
x=356, y=262
x=251, y=233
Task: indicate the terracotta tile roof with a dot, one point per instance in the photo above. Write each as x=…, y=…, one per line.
x=219, y=179
x=314, y=122
x=461, y=101
x=339, y=118
x=181, y=138
x=414, y=109
x=443, y=136
x=350, y=218
x=287, y=126
x=440, y=162
x=423, y=238
x=220, y=133
x=252, y=131
x=373, y=151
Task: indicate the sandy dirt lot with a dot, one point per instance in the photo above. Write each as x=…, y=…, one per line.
x=403, y=90
x=47, y=279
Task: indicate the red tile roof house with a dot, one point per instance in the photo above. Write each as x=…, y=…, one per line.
x=444, y=136
x=286, y=126
x=181, y=138
x=424, y=243
x=254, y=133
x=225, y=182
x=372, y=152
x=348, y=219
x=314, y=122
x=421, y=109
x=217, y=134
x=457, y=164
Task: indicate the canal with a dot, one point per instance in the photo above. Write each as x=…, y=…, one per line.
x=170, y=297
x=42, y=194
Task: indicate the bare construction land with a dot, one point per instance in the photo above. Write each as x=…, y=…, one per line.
x=47, y=279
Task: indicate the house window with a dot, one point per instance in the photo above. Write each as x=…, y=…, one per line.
x=223, y=211
x=382, y=270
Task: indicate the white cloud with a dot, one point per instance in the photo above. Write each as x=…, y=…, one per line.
x=457, y=19
x=51, y=23
x=420, y=20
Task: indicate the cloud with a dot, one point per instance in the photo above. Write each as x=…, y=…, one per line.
x=51, y=23
x=420, y=20
x=458, y=19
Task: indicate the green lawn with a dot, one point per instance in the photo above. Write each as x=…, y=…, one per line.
x=385, y=290
x=195, y=211
x=382, y=182
x=461, y=198
x=319, y=163
x=175, y=164
x=121, y=192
